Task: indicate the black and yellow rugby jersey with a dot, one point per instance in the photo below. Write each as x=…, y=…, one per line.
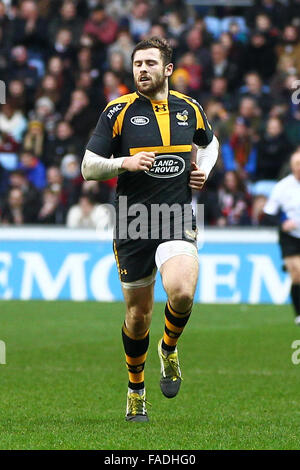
x=134, y=123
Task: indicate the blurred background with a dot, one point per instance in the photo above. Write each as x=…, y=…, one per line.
x=62, y=61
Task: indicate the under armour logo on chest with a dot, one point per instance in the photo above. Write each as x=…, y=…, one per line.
x=160, y=107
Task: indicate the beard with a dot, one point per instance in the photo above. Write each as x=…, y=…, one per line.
x=155, y=85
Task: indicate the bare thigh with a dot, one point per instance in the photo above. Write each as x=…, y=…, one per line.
x=292, y=264
x=179, y=277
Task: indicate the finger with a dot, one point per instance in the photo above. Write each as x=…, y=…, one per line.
x=147, y=159
x=196, y=180
x=194, y=166
x=149, y=154
x=147, y=164
x=197, y=177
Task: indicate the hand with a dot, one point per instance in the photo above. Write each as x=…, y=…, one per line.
x=141, y=161
x=197, y=177
x=289, y=225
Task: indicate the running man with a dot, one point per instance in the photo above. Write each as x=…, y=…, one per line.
x=284, y=204
x=150, y=134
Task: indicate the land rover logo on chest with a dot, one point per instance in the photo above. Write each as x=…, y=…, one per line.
x=167, y=166
x=139, y=120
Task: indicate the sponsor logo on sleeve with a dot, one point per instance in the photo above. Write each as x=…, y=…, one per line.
x=115, y=109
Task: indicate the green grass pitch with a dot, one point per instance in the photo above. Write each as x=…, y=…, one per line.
x=64, y=383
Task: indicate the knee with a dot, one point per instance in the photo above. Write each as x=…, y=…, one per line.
x=181, y=298
x=138, y=318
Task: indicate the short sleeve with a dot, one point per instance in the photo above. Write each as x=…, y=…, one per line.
x=105, y=140
x=203, y=133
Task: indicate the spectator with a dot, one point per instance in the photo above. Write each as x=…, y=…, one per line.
x=81, y=115
x=220, y=66
x=14, y=210
x=31, y=195
x=63, y=47
x=234, y=201
x=17, y=96
x=101, y=26
x=54, y=178
x=260, y=55
x=52, y=210
x=33, y=169
x=138, y=20
x=239, y=153
x=72, y=179
x=64, y=80
x=88, y=214
x=273, y=151
x=30, y=29
x=117, y=65
x=67, y=19
x=124, y=45
x=255, y=88
x=190, y=63
x=44, y=113
x=8, y=151
x=194, y=42
x=49, y=88
x=249, y=110
x=64, y=142
x=180, y=81
x=219, y=93
x=272, y=8
x=12, y=122
x=21, y=70
x=113, y=87
x=289, y=46
x=34, y=139
x=86, y=82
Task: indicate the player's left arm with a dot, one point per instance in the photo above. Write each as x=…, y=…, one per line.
x=205, y=153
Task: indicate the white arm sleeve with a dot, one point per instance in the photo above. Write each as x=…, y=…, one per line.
x=207, y=156
x=95, y=167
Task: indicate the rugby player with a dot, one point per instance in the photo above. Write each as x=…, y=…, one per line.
x=145, y=138
x=284, y=202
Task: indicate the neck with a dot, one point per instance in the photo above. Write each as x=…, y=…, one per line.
x=161, y=95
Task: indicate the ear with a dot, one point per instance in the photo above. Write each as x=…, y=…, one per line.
x=169, y=70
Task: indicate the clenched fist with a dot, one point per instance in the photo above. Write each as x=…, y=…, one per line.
x=141, y=161
x=197, y=177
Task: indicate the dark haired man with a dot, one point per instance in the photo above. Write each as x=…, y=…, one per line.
x=150, y=134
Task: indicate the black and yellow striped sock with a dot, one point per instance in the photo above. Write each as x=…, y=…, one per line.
x=174, y=326
x=135, y=353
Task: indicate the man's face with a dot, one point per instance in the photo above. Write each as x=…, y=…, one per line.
x=149, y=72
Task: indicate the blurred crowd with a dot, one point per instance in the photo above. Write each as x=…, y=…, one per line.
x=62, y=61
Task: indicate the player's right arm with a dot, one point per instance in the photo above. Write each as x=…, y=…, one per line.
x=105, y=141
x=96, y=167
